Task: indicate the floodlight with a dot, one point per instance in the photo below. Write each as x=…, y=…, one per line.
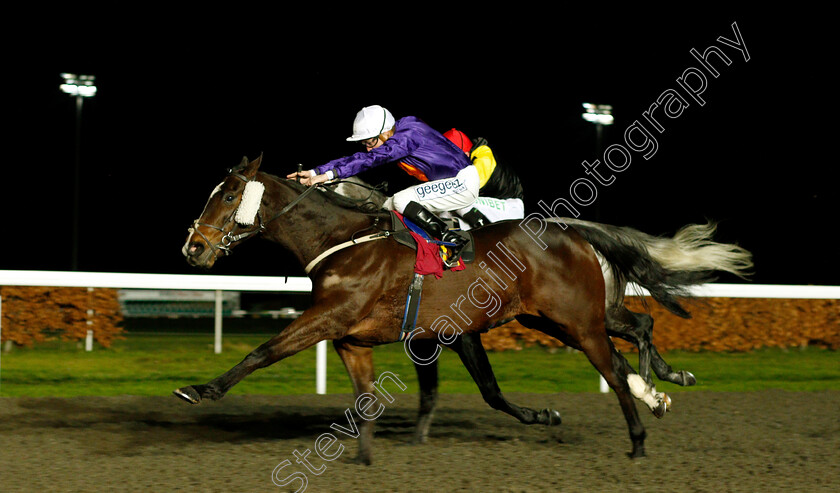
x=598, y=113
x=79, y=85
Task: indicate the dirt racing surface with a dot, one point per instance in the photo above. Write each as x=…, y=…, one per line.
x=772, y=441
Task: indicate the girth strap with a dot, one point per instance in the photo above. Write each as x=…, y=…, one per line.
x=342, y=246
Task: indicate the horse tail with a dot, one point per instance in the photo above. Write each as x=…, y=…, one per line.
x=666, y=267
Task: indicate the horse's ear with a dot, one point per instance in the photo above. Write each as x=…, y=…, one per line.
x=252, y=167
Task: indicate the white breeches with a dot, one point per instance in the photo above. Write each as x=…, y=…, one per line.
x=495, y=210
x=448, y=194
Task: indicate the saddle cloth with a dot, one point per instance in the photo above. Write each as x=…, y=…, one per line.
x=428, y=259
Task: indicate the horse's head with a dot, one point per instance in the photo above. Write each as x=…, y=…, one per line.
x=242, y=206
x=230, y=216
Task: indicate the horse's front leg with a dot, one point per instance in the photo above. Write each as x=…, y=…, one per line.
x=359, y=364
x=301, y=334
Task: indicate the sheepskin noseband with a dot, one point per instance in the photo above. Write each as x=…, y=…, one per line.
x=250, y=203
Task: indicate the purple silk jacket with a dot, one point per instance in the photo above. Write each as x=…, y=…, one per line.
x=426, y=151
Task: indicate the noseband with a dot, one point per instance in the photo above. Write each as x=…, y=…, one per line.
x=228, y=238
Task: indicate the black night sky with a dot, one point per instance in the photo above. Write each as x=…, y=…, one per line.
x=178, y=105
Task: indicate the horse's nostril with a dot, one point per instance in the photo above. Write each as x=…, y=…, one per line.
x=195, y=249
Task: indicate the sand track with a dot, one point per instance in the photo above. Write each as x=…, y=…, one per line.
x=764, y=441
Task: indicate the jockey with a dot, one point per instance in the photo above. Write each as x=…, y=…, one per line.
x=451, y=183
x=498, y=183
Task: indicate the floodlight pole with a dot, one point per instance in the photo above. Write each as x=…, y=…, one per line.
x=80, y=87
x=77, y=169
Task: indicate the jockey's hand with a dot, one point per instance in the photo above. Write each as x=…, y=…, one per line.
x=307, y=178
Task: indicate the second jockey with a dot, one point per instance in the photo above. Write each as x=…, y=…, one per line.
x=500, y=190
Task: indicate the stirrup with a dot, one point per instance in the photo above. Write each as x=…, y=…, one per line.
x=446, y=254
x=451, y=255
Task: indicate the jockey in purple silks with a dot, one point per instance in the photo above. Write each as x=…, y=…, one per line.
x=449, y=180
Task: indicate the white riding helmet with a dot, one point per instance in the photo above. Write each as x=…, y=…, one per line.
x=370, y=122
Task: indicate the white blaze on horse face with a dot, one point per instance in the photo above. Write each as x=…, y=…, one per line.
x=184, y=249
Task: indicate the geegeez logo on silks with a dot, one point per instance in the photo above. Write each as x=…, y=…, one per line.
x=440, y=189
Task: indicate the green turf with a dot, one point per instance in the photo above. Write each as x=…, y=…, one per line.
x=157, y=364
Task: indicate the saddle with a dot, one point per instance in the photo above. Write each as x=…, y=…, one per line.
x=428, y=261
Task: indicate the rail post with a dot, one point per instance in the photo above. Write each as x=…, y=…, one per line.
x=217, y=346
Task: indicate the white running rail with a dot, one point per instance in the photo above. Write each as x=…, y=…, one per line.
x=304, y=285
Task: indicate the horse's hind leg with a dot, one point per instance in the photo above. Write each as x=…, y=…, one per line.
x=472, y=354
x=657, y=402
x=603, y=356
x=427, y=377
x=637, y=329
x=623, y=323
x=662, y=369
x=359, y=364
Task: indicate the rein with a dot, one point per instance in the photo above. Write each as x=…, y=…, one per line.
x=292, y=203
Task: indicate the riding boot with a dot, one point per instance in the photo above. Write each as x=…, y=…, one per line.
x=436, y=228
x=475, y=218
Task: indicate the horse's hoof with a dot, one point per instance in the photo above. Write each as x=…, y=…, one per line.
x=660, y=410
x=687, y=378
x=550, y=417
x=188, y=394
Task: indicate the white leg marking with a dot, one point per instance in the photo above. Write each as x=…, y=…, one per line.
x=640, y=390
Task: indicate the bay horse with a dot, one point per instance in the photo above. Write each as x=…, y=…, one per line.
x=358, y=292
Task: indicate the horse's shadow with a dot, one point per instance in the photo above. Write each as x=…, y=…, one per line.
x=131, y=427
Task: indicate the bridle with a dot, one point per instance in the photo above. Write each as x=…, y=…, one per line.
x=228, y=238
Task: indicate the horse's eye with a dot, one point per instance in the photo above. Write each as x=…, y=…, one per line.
x=229, y=198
